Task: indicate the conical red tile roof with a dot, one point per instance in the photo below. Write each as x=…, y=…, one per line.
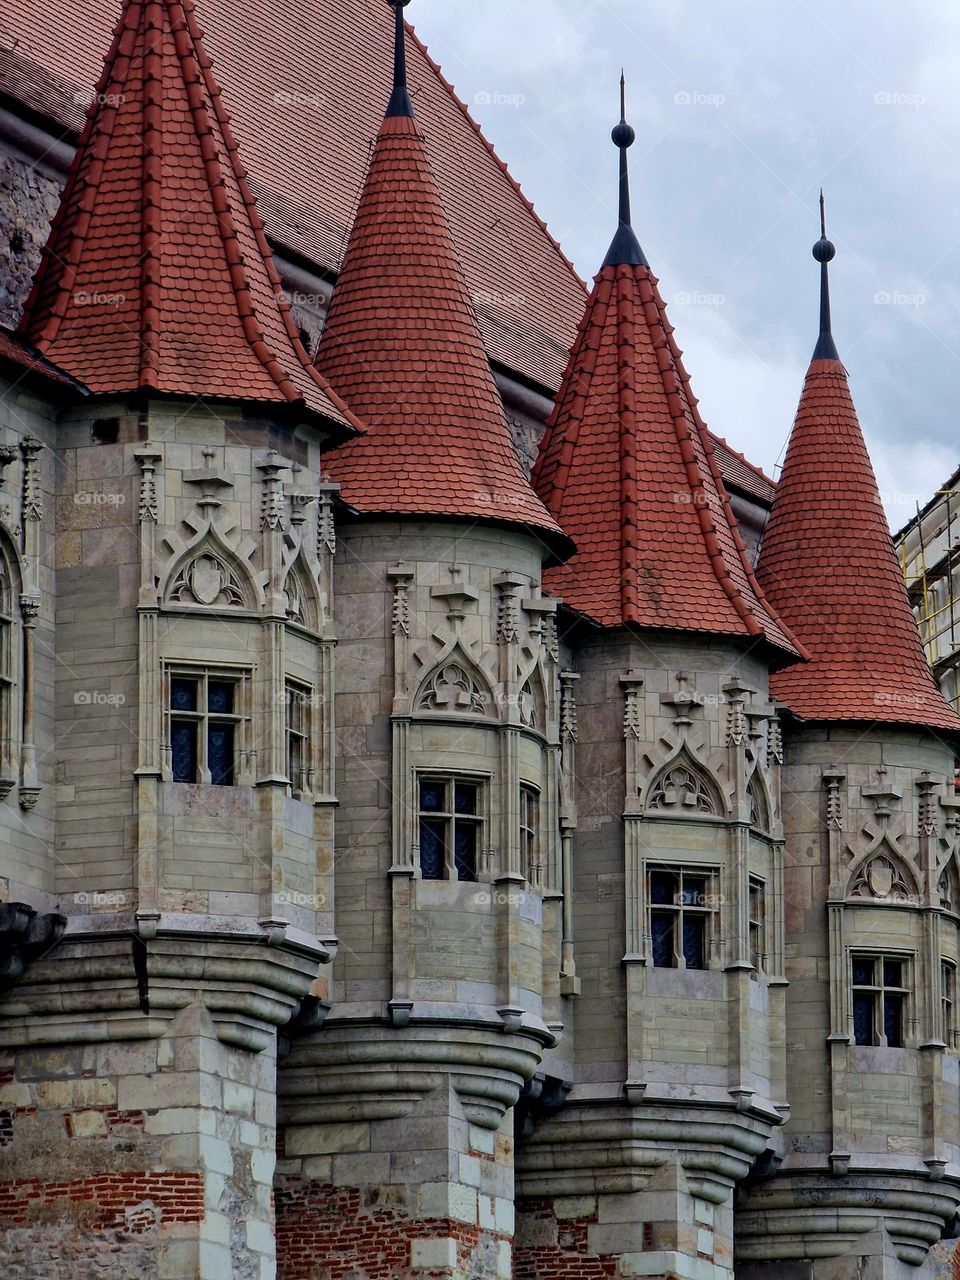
x=402, y=347
x=157, y=274
x=828, y=565
x=627, y=467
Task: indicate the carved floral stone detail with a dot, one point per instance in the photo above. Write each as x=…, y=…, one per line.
x=882, y=879
x=207, y=579
x=683, y=787
x=452, y=688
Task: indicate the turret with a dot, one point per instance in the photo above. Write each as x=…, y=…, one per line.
x=866, y=1177
x=672, y=813
x=447, y=866
x=176, y=522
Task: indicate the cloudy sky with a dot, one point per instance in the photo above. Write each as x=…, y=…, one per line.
x=743, y=108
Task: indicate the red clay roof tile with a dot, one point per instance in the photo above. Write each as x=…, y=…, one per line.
x=828, y=565
x=401, y=345
x=628, y=469
x=123, y=300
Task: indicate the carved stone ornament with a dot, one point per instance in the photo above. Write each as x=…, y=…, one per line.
x=208, y=580
x=882, y=879
x=683, y=787
x=453, y=689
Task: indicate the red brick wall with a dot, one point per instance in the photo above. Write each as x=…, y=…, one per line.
x=101, y=1200
x=568, y=1258
x=334, y=1232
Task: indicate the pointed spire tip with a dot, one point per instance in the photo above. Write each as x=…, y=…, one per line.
x=625, y=247
x=399, y=104
x=824, y=251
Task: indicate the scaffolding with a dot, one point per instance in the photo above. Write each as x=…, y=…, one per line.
x=929, y=549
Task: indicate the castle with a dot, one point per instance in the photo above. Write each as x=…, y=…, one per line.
x=415, y=865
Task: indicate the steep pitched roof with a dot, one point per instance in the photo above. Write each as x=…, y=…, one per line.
x=628, y=468
x=828, y=563
x=157, y=274
x=401, y=345
x=304, y=89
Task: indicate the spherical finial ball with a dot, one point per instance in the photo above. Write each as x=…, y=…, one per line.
x=398, y=4
x=824, y=250
x=623, y=135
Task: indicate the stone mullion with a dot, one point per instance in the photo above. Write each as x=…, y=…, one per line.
x=569, y=982
x=776, y=981
x=932, y=1043
x=323, y=726
x=402, y=873
x=635, y=959
x=841, y=1015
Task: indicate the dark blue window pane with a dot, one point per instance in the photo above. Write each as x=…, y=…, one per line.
x=863, y=1018
x=220, y=754
x=432, y=796
x=663, y=887
x=183, y=735
x=694, y=892
x=183, y=695
x=220, y=697
x=661, y=925
x=693, y=942
x=862, y=972
x=893, y=1020
x=465, y=800
x=893, y=973
x=465, y=850
x=432, y=848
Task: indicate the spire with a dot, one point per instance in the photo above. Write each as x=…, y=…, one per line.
x=627, y=468
x=399, y=104
x=624, y=247
x=828, y=566
x=157, y=274
x=824, y=252
x=402, y=346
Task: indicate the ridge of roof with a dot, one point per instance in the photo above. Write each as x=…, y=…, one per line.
x=152, y=316
x=501, y=164
x=828, y=564
x=402, y=346
x=628, y=468
x=725, y=444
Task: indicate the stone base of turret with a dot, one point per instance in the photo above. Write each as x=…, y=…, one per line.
x=650, y=1233
x=868, y=1224
x=397, y=1154
x=147, y=1158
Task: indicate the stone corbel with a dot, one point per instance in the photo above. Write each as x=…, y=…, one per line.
x=458, y=595
x=683, y=702
x=210, y=482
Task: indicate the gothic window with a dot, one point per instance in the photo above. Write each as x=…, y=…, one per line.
x=948, y=1003
x=681, y=913
x=758, y=925
x=298, y=738
x=879, y=999
x=530, y=833
x=451, y=822
x=205, y=725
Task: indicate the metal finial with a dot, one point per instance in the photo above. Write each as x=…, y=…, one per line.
x=399, y=104
x=625, y=247
x=824, y=251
